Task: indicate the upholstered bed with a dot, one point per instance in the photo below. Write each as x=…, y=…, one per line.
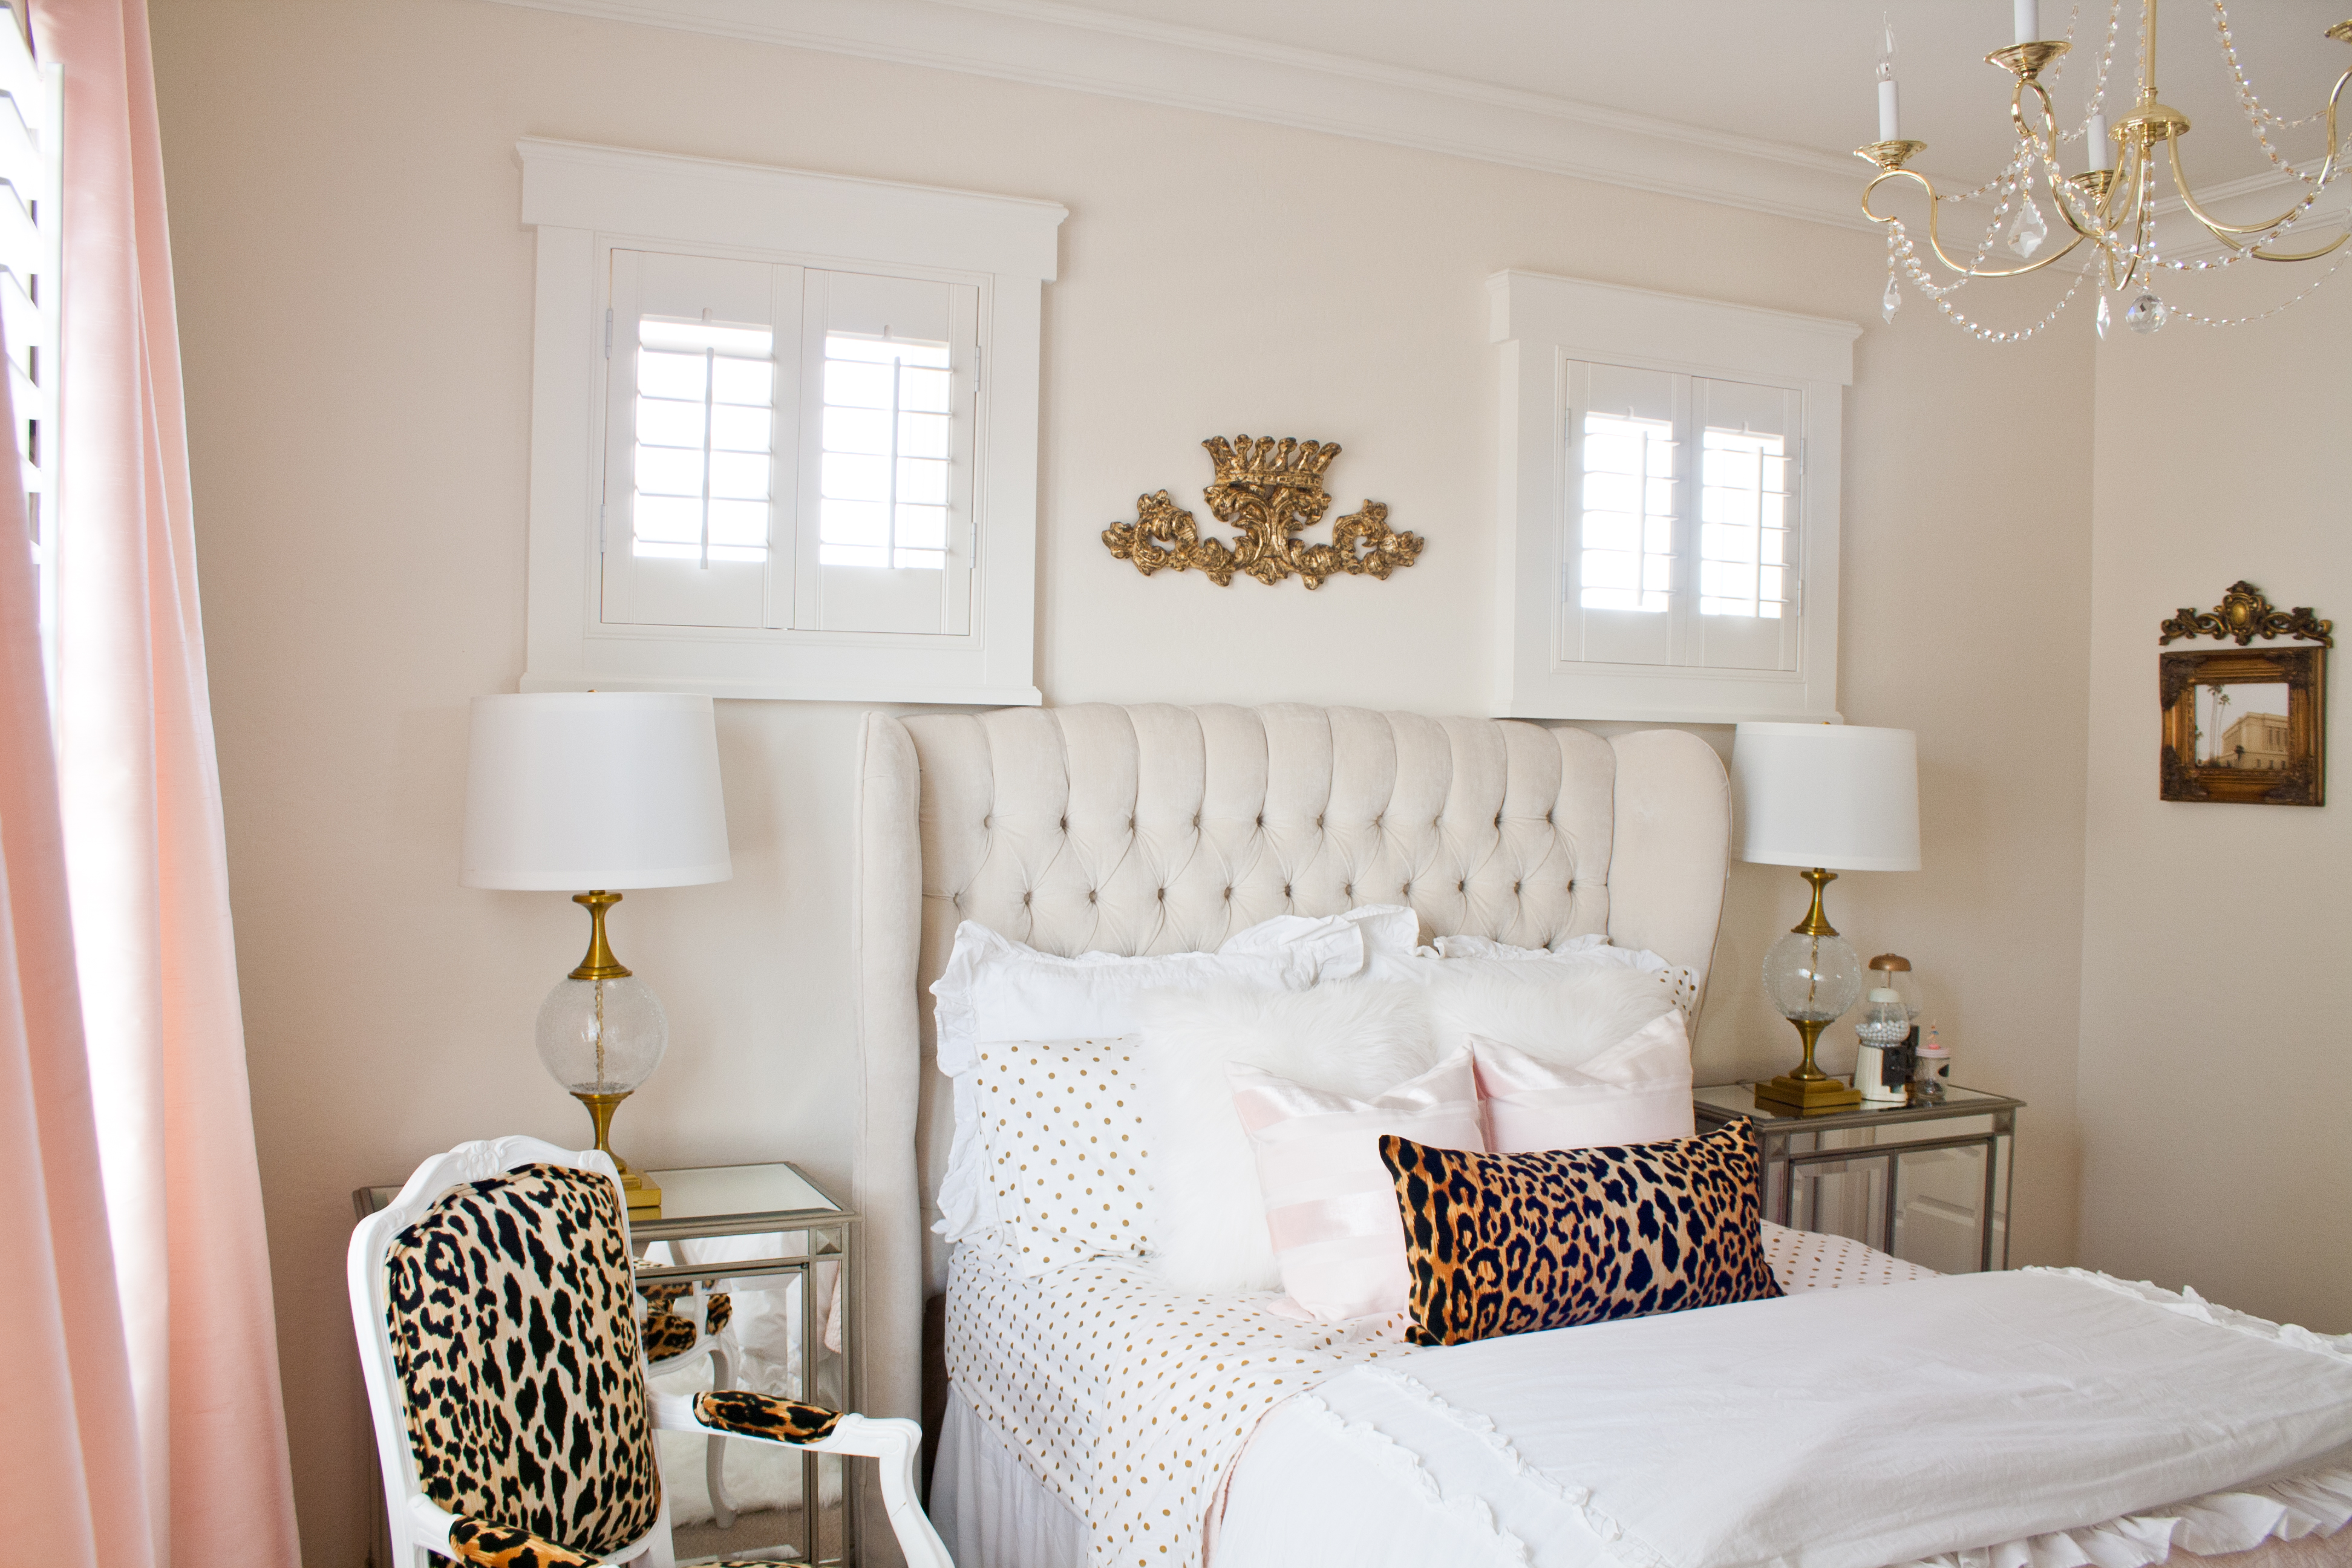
x=1159, y=830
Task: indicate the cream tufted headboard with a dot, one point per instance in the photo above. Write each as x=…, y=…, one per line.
x=1162, y=829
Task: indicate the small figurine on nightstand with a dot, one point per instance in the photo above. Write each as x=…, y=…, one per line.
x=1934, y=1072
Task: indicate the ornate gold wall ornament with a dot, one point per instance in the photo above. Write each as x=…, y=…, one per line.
x=1271, y=490
x=2244, y=615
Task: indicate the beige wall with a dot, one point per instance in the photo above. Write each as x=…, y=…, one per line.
x=355, y=295
x=2215, y=985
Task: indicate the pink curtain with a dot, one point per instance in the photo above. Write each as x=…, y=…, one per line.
x=71, y=1499
x=145, y=858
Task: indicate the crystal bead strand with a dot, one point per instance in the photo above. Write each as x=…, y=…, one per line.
x=2257, y=116
x=2265, y=315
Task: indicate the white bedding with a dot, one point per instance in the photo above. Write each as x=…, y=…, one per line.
x=2044, y=1418
x=1091, y=1362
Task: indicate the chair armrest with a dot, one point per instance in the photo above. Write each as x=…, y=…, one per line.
x=740, y=1413
x=429, y=1526
x=504, y=1546
x=759, y=1417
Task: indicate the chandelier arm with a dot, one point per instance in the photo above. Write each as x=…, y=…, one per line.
x=1935, y=240
x=2260, y=255
x=2214, y=225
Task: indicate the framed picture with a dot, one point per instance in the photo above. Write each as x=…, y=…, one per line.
x=2244, y=725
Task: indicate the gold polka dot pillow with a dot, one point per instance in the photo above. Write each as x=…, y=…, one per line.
x=1508, y=1244
x=1065, y=1154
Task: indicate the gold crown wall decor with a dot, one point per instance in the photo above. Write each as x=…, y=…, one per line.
x=1272, y=490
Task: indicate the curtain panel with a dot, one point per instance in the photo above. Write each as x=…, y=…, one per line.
x=145, y=858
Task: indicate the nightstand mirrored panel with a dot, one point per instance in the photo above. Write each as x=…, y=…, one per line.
x=1928, y=1183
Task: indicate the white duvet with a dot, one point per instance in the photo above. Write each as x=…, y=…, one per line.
x=2044, y=1418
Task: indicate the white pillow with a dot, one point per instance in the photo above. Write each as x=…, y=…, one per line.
x=1637, y=1092
x=1204, y=1214
x=1331, y=1202
x=1065, y=1139
x=995, y=988
x=1563, y=1013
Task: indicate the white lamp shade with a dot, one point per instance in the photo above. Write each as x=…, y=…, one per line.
x=1842, y=796
x=570, y=791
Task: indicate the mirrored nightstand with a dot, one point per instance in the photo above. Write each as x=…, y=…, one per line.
x=1928, y=1183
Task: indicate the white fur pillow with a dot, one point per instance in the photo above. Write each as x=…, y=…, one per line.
x=1204, y=1214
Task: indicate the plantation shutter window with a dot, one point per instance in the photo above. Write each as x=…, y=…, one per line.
x=1670, y=491
x=783, y=431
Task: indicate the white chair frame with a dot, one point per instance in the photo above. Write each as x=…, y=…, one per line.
x=722, y=1377
x=420, y=1529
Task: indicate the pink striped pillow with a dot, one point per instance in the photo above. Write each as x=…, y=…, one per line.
x=1330, y=1203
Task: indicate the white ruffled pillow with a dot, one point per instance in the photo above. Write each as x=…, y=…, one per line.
x=995, y=988
x=1330, y=1203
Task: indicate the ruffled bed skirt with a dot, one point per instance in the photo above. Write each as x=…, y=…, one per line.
x=992, y=1512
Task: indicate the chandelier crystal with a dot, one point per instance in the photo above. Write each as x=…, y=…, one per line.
x=2111, y=204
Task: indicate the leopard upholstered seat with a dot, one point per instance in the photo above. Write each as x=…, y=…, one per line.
x=512, y=1331
x=493, y=1299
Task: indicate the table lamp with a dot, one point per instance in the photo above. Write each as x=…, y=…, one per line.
x=598, y=791
x=1832, y=798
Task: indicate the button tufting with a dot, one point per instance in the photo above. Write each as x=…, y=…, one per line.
x=1196, y=819
x=1229, y=894
x=1349, y=889
x=1090, y=895
x=1285, y=889
x=1406, y=889
x=1461, y=887
x=1065, y=824
x=1318, y=821
x=1161, y=895
x=1261, y=819
x=1025, y=900
x=1514, y=886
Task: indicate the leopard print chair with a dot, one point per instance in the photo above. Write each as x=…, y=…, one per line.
x=506, y=1372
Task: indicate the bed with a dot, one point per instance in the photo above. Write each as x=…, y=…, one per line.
x=1154, y=830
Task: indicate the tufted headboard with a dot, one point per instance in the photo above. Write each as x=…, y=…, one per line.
x=1165, y=829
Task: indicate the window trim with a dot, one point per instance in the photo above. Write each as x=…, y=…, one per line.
x=584, y=201
x=1543, y=323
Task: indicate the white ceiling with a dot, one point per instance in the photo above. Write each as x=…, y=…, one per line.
x=1800, y=72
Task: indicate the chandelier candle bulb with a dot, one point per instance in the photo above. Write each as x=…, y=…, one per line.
x=2027, y=16
x=2102, y=151
x=1889, y=121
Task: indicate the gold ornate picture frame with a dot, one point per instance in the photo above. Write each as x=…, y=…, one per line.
x=2245, y=725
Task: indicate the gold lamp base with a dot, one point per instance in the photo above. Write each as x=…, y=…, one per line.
x=643, y=1197
x=1808, y=1088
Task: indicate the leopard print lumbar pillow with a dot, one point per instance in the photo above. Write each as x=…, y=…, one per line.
x=1507, y=1244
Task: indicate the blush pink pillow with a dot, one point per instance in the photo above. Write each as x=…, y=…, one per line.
x=1330, y=1203
x=1637, y=1091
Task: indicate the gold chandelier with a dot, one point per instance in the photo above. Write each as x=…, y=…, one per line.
x=2110, y=204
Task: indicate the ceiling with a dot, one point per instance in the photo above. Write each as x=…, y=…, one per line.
x=1800, y=71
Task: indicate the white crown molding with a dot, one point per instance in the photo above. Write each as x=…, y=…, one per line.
x=1053, y=45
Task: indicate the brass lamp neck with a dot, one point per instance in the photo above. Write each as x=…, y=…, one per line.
x=600, y=964
x=1815, y=922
